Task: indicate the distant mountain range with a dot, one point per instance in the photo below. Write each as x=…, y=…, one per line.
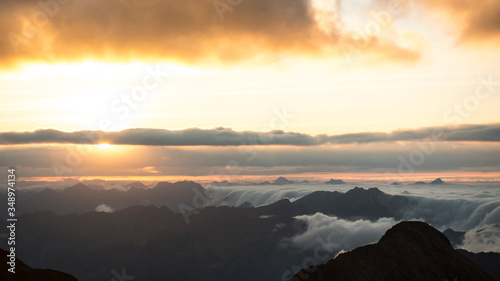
x=356, y=203
x=217, y=243
x=332, y=181
x=437, y=181
x=146, y=233
x=81, y=198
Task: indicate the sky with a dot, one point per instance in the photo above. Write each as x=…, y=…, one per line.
x=249, y=88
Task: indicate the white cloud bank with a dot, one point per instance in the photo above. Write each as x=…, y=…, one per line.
x=336, y=234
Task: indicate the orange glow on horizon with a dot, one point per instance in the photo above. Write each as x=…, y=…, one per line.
x=349, y=178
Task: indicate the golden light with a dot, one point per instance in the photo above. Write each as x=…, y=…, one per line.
x=104, y=146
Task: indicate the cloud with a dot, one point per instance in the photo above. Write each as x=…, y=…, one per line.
x=457, y=213
x=84, y=160
x=476, y=21
x=104, y=208
x=228, y=137
x=482, y=239
x=485, y=132
x=190, y=31
x=337, y=234
x=486, y=236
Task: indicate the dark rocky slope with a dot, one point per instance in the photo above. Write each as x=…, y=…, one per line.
x=410, y=251
x=25, y=273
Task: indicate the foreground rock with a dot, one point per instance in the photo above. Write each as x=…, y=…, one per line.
x=410, y=251
x=24, y=272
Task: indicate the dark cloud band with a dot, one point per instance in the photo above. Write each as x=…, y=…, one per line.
x=228, y=137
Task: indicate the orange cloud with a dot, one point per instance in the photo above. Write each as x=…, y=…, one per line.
x=190, y=31
x=476, y=21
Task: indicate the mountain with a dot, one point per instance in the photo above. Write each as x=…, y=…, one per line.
x=437, y=181
x=332, y=181
x=81, y=198
x=356, y=203
x=419, y=182
x=136, y=184
x=245, y=204
x=24, y=272
x=410, y=251
x=154, y=243
x=456, y=237
x=223, y=183
x=282, y=181
x=264, y=183
x=395, y=183
x=489, y=262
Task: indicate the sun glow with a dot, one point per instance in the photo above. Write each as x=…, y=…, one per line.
x=104, y=146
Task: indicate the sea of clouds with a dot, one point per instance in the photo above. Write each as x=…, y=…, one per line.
x=471, y=209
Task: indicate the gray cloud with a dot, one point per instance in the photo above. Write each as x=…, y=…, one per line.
x=228, y=137
x=483, y=132
x=482, y=239
x=249, y=160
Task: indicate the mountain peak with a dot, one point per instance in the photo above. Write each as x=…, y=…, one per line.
x=78, y=187
x=437, y=181
x=136, y=184
x=282, y=180
x=411, y=251
x=162, y=184
x=336, y=181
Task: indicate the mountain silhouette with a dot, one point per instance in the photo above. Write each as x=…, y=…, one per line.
x=489, y=262
x=437, y=181
x=332, y=181
x=81, y=199
x=218, y=243
x=282, y=181
x=26, y=273
x=420, y=182
x=356, y=203
x=136, y=184
x=411, y=251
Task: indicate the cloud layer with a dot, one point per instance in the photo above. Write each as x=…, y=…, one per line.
x=476, y=21
x=394, y=158
x=483, y=239
x=228, y=137
x=337, y=234
x=195, y=31
x=189, y=31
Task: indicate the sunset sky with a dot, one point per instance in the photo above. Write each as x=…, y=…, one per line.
x=250, y=87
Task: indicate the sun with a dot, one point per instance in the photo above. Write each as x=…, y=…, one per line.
x=104, y=146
